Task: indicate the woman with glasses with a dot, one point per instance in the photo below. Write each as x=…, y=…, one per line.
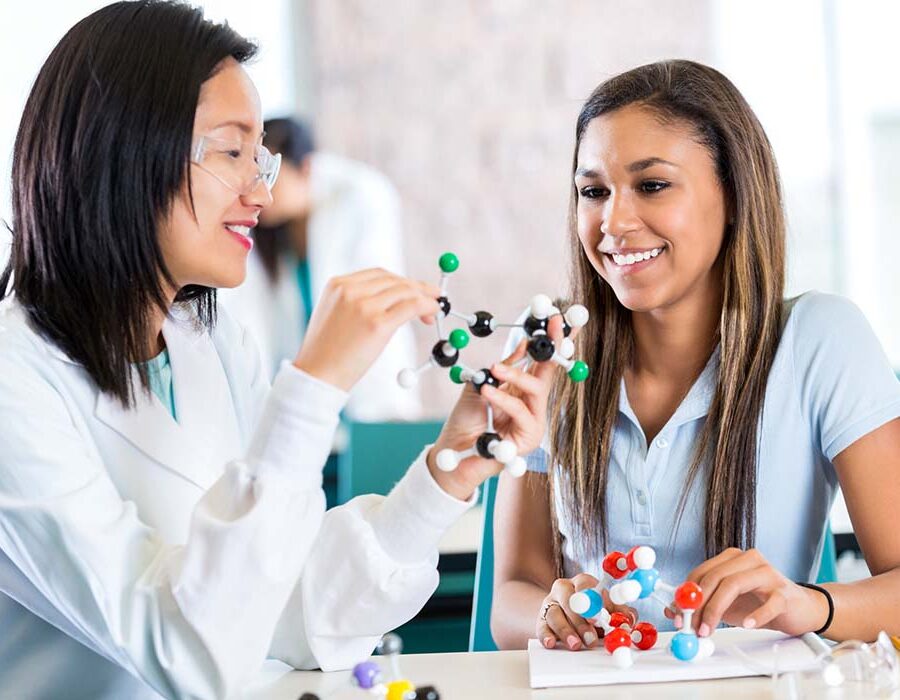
x=162, y=525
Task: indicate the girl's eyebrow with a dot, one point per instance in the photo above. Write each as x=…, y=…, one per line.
x=635, y=167
x=639, y=165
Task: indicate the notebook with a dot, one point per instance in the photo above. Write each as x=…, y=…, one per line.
x=739, y=652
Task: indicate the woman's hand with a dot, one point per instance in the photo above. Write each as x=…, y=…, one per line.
x=557, y=623
x=520, y=415
x=354, y=320
x=742, y=589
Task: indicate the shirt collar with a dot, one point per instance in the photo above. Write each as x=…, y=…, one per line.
x=695, y=405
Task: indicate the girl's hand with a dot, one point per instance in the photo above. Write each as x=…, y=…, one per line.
x=520, y=415
x=355, y=318
x=742, y=589
x=557, y=623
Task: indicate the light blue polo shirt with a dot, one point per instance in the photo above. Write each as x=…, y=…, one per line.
x=830, y=384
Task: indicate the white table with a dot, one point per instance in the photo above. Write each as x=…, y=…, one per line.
x=502, y=675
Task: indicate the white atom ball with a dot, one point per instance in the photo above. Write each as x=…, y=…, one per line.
x=622, y=657
x=577, y=315
x=580, y=603
x=567, y=348
x=407, y=378
x=517, y=467
x=541, y=306
x=644, y=557
x=706, y=648
x=447, y=460
x=504, y=451
x=625, y=592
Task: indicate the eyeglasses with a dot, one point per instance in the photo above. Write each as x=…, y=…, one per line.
x=238, y=165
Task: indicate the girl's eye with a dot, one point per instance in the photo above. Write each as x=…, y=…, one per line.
x=592, y=192
x=651, y=186
x=233, y=153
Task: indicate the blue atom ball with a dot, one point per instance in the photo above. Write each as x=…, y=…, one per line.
x=366, y=674
x=647, y=578
x=684, y=646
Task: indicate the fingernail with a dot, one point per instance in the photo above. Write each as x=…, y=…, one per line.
x=573, y=642
x=678, y=621
x=549, y=642
x=704, y=630
x=749, y=623
x=589, y=638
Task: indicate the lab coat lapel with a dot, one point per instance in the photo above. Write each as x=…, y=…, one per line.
x=203, y=401
x=149, y=427
x=205, y=436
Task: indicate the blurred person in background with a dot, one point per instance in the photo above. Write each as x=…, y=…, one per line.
x=330, y=216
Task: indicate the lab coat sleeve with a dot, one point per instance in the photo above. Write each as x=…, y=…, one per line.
x=192, y=621
x=372, y=568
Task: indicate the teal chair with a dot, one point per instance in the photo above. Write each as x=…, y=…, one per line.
x=828, y=565
x=378, y=454
x=480, y=638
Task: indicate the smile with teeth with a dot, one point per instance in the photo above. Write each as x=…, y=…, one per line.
x=632, y=258
x=240, y=230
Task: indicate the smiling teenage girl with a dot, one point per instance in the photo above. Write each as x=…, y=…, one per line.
x=720, y=419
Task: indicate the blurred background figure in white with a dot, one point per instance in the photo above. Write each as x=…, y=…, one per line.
x=330, y=216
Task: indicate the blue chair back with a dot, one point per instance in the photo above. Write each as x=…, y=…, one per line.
x=378, y=454
x=480, y=638
x=828, y=565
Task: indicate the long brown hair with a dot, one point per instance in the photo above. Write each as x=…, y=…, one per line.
x=584, y=415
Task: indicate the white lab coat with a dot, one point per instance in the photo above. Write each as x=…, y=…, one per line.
x=355, y=225
x=142, y=557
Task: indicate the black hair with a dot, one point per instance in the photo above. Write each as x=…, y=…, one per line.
x=293, y=139
x=102, y=152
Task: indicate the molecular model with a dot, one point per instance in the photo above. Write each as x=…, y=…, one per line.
x=481, y=324
x=367, y=676
x=638, y=579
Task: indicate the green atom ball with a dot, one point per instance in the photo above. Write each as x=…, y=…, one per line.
x=459, y=338
x=448, y=262
x=579, y=371
x=456, y=374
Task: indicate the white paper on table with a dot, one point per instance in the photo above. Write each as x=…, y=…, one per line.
x=755, y=656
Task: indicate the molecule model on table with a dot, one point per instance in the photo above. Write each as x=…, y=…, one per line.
x=540, y=348
x=638, y=579
x=367, y=676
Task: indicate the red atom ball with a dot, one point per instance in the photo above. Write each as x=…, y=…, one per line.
x=629, y=558
x=618, y=619
x=611, y=564
x=647, y=633
x=688, y=596
x=615, y=639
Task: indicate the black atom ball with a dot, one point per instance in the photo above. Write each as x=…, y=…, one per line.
x=483, y=442
x=488, y=379
x=445, y=305
x=541, y=348
x=532, y=325
x=309, y=696
x=482, y=326
x=437, y=352
x=427, y=692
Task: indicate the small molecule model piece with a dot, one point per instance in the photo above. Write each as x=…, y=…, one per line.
x=638, y=579
x=540, y=348
x=367, y=676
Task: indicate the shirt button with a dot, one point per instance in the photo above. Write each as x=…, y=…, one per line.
x=662, y=443
x=642, y=498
